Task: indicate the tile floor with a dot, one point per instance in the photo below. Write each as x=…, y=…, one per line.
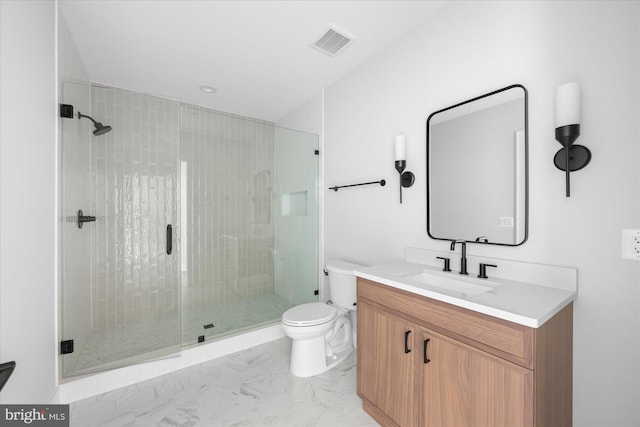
x=106, y=348
x=249, y=388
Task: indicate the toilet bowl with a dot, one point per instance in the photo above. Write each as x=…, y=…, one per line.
x=322, y=334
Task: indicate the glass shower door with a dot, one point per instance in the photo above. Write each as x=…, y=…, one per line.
x=120, y=273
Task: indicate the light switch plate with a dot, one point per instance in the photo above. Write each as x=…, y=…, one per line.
x=631, y=244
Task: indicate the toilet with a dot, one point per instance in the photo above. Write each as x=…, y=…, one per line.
x=323, y=334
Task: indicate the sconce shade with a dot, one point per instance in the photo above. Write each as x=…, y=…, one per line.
x=406, y=178
x=568, y=104
x=401, y=147
x=572, y=157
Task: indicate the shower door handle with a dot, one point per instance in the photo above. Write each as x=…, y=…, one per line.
x=169, y=239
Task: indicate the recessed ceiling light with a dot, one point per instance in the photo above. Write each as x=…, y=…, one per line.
x=208, y=89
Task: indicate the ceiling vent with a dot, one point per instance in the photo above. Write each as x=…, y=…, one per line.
x=333, y=41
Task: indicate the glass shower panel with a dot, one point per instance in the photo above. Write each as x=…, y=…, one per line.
x=121, y=283
x=75, y=243
x=228, y=261
x=296, y=215
x=229, y=171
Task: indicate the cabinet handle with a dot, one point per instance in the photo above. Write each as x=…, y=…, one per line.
x=406, y=341
x=426, y=358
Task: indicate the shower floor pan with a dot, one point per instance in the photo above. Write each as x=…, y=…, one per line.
x=127, y=344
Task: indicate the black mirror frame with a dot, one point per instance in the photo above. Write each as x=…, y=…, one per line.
x=526, y=163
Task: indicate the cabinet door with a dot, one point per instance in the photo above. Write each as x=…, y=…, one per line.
x=501, y=393
x=445, y=381
x=463, y=386
x=386, y=363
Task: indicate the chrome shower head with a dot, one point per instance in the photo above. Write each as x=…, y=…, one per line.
x=100, y=129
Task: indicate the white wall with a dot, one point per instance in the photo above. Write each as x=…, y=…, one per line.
x=28, y=198
x=471, y=48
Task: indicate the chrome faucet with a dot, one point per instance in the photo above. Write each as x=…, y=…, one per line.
x=463, y=259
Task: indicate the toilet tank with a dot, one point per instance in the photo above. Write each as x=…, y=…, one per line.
x=342, y=283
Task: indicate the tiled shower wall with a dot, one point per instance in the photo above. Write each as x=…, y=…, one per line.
x=227, y=167
x=135, y=183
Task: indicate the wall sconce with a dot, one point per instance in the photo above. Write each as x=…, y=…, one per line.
x=406, y=178
x=572, y=157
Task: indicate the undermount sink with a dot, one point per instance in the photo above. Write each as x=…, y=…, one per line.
x=463, y=284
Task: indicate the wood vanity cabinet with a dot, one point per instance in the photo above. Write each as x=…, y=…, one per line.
x=422, y=362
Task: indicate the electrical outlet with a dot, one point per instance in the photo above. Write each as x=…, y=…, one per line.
x=631, y=244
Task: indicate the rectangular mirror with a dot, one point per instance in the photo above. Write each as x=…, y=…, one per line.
x=477, y=172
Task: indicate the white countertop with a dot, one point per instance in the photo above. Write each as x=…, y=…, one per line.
x=519, y=302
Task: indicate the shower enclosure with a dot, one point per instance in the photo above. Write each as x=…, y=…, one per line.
x=206, y=225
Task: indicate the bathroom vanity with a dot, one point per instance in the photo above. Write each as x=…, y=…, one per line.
x=441, y=344
x=435, y=356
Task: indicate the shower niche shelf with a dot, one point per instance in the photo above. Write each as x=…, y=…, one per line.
x=294, y=204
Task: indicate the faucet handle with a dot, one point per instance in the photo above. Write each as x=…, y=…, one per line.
x=447, y=263
x=483, y=270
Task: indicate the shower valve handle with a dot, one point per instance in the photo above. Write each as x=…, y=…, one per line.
x=82, y=218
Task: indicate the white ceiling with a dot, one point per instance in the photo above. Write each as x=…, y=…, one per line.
x=255, y=53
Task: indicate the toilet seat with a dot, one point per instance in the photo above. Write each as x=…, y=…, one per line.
x=310, y=314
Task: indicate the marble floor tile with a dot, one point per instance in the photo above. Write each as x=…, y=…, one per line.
x=250, y=388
